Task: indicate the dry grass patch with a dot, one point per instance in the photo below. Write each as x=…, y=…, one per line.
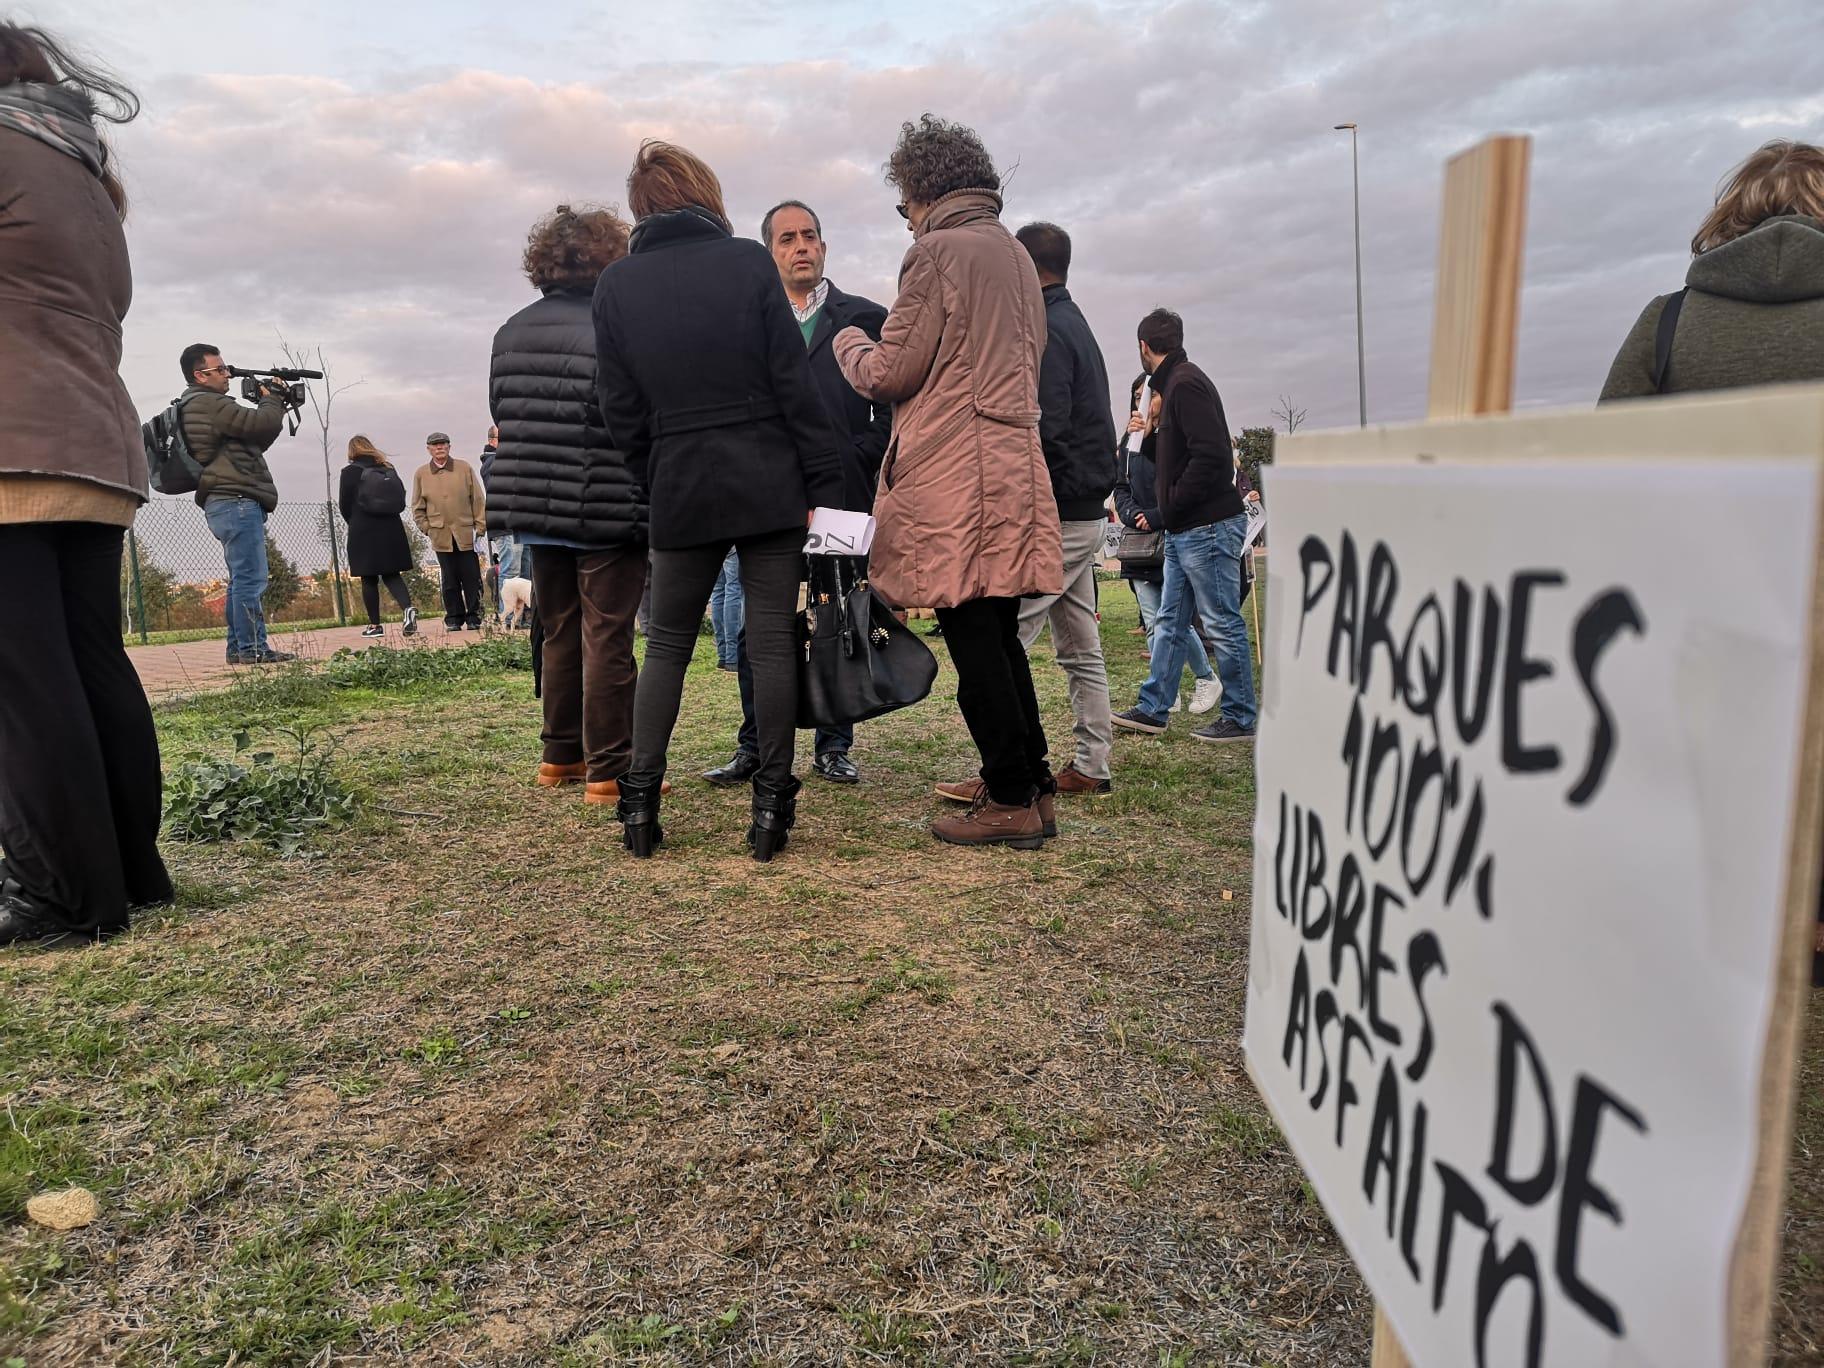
x=466, y=1085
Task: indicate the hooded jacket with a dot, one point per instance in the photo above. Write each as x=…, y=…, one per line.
x=1753, y=315
x=964, y=510
x=556, y=474
x=702, y=379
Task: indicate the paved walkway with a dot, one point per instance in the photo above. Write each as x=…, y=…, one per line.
x=166, y=671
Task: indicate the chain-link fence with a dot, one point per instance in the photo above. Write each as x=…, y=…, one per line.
x=172, y=577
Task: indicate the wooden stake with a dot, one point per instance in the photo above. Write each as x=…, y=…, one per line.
x=1477, y=312
x=1473, y=342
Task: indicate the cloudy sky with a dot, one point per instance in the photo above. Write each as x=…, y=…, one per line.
x=360, y=176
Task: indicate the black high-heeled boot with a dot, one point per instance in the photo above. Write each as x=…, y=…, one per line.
x=775, y=813
x=638, y=811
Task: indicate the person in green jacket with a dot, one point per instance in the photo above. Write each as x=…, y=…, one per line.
x=1752, y=310
x=229, y=441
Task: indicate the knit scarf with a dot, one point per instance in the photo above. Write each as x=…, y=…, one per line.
x=59, y=118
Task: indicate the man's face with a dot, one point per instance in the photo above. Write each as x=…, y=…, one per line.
x=213, y=373
x=798, y=250
x=1149, y=360
x=440, y=452
x=493, y=436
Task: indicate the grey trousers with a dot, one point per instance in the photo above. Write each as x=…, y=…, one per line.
x=1077, y=639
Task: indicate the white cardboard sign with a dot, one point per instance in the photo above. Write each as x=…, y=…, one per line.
x=839, y=532
x=1525, y=769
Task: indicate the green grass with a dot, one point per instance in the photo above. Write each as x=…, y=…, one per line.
x=459, y=1082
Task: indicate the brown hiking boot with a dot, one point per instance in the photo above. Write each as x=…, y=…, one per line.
x=963, y=791
x=1073, y=781
x=990, y=823
x=551, y=776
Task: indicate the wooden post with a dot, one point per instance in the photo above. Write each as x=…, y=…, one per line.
x=1474, y=328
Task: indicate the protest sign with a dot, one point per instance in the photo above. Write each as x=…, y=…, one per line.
x=1536, y=842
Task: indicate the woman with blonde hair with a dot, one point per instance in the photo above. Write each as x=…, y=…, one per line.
x=704, y=383
x=371, y=498
x=1752, y=310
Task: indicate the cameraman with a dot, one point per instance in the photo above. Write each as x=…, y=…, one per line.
x=229, y=441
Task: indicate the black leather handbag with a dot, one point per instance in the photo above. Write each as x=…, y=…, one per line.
x=857, y=660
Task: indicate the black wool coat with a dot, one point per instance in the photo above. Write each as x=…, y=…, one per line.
x=556, y=472
x=376, y=541
x=863, y=427
x=703, y=380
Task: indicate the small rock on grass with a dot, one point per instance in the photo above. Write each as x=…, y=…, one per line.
x=67, y=1210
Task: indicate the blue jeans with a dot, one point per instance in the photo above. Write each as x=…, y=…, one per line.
x=1203, y=563
x=515, y=556
x=727, y=611
x=239, y=524
x=1147, y=594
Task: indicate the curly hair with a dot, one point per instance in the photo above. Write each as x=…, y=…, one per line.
x=934, y=158
x=571, y=247
x=1782, y=177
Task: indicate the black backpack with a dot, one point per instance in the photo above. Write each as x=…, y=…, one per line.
x=169, y=464
x=381, y=491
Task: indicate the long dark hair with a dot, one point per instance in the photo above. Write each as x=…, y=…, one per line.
x=28, y=53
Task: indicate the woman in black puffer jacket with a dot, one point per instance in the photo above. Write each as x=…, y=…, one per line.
x=560, y=487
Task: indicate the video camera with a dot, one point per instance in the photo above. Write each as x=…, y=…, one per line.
x=290, y=390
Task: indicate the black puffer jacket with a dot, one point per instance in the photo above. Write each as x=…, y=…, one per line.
x=556, y=473
x=702, y=376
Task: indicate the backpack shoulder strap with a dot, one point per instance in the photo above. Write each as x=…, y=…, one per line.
x=1662, y=339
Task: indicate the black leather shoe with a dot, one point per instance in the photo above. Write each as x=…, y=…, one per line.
x=737, y=771
x=19, y=921
x=836, y=767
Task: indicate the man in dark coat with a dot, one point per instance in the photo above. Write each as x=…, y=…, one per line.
x=1201, y=514
x=794, y=235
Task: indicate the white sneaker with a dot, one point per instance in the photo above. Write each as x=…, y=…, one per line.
x=1206, y=695
x=1179, y=705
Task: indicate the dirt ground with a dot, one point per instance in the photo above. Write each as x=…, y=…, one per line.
x=464, y=1085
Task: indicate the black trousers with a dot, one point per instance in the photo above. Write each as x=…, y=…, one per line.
x=994, y=691
x=370, y=594
x=80, y=786
x=461, y=587
x=681, y=582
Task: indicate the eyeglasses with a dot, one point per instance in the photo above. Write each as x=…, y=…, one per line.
x=904, y=212
x=213, y=370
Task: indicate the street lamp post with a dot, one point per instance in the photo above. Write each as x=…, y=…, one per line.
x=1361, y=355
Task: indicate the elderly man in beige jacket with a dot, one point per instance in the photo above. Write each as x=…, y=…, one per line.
x=449, y=507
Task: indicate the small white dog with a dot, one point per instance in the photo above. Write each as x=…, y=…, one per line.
x=516, y=601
